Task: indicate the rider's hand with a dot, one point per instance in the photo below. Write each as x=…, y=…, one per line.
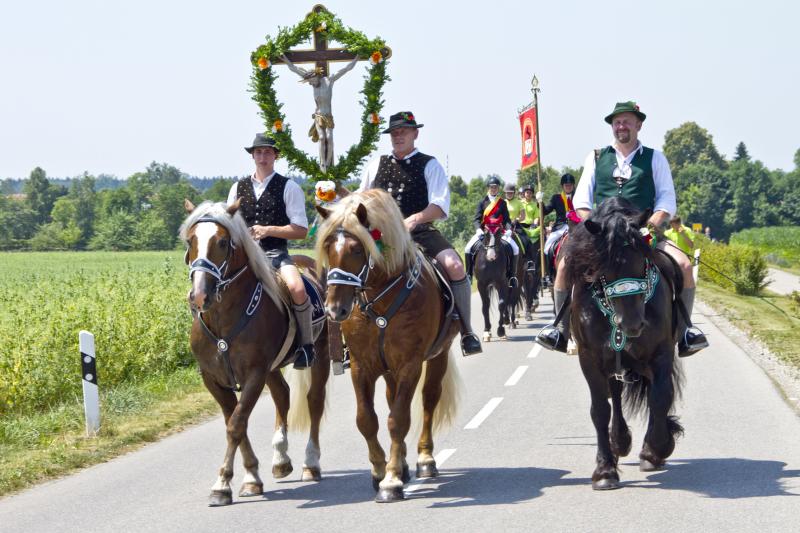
x=259, y=232
x=411, y=222
x=539, y=196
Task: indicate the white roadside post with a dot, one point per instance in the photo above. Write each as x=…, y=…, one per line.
x=696, y=267
x=91, y=399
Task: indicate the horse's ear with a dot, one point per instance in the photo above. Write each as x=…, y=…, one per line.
x=593, y=227
x=234, y=207
x=361, y=213
x=644, y=217
x=188, y=205
x=324, y=213
x=186, y=257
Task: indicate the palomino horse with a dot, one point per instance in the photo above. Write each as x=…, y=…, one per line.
x=491, y=260
x=399, y=330
x=624, y=319
x=240, y=334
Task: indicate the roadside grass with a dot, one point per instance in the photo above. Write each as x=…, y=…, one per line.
x=45, y=445
x=772, y=319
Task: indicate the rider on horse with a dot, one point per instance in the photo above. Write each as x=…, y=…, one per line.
x=273, y=207
x=492, y=213
x=641, y=175
x=419, y=185
x=562, y=204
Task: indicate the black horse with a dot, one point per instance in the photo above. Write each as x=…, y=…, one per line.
x=530, y=267
x=491, y=261
x=624, y=323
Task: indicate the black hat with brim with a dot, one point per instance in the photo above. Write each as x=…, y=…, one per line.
x=493, y=181
x=261, y=141
x=403, y=119
x=626, y=107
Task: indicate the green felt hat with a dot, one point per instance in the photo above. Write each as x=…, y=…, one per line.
x=626, y=107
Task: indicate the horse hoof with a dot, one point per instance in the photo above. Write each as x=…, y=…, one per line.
x=311, y=474
x=427, y=470
x=606, y=484
x=405, y=477
x=394, y=494
x=501, y=333
x=220, y=498
x=251, y=489
x=487, y=337
x=282, y=470
x=513, y=325
x=528, y=317
x=647, y=466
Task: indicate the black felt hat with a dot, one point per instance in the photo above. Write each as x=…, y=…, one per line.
x=261, y=140
x=403, y=119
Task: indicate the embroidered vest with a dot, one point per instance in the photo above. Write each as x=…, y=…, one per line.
x=405, y=181
x=640, y=189
x=269, y=210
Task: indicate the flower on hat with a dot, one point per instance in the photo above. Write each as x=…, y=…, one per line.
x=636, y=106
x=263, y=63
x=376, y=57
x=277, y=126
x=374, y=118
x=408, y=116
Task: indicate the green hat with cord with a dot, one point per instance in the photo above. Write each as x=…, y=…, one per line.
x=626, y=107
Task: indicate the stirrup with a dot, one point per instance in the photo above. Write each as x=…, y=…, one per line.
x=693, y=341
x=305, y=357
x=552, y=339
x=627, y=376
x=513, y=282
x=470, y=345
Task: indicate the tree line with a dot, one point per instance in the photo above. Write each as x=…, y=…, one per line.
x=144, y=212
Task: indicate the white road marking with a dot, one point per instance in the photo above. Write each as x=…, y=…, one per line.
x=515, y=377
x=484, y=413
x=440, y=458
x=444, y=455
x=535, y=351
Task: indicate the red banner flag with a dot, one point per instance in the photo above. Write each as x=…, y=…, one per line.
x=527, y=124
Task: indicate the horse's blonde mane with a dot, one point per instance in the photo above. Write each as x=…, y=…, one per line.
x=240, y=235
x=399, y=251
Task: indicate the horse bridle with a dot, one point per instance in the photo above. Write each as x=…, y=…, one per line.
x=201, y=264
x=338, y=276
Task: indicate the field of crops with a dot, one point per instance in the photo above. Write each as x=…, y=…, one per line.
x=134, y=303
x=779, y=244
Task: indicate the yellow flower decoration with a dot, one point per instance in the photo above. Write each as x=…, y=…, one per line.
x=322, y=27
x=277, y=126
x=374, y=118
x=376, y=57
x=263, y=63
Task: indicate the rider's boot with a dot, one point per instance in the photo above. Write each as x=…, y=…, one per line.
x=462, y=293
x=692, y=340
x=305, y=353
x=555, y=337
x=512, y=273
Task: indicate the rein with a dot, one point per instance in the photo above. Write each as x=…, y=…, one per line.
x=337, y=276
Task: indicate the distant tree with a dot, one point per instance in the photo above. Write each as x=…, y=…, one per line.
x=218, y=192
x=40, y=194
x=17, y=223
x=797, y=159
x=167, y=203
x=741, y=153
x=457, y=186
x=114, y=232
x=690, y=144
x=152, y=233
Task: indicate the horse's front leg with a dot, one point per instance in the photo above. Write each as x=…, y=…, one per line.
x=367, y=419
x=279, y=390
x=431, y=394
x=620, y=433
x=400, y=390
x=662, y=428
x=605, y=475
x=486, y=300
x=502, y=303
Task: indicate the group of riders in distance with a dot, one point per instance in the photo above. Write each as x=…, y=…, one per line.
x=401, y=293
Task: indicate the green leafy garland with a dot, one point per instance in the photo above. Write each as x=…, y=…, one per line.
x=263, y=79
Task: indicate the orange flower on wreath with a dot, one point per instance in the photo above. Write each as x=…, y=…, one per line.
x=277, y=126
x=374, y=118
x=263, y=63
x=376, y=57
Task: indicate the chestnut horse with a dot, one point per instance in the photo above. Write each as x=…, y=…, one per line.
x=240, y=336
x=624, y=323
x=393, y=332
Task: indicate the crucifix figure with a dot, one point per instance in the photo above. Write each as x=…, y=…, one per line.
x=322, y=129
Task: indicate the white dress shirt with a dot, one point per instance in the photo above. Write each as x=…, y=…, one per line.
x=435, y=177
x=662, y=178
x=292, y=196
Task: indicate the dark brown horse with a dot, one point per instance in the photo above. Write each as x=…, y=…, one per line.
x=624, y=323
x=491, y=261
x=240, y=336
x=393, y=332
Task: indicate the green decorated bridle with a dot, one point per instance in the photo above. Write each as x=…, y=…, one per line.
x=624, y=287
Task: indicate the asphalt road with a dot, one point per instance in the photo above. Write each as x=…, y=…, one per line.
x=783, y=282
x=526, y=466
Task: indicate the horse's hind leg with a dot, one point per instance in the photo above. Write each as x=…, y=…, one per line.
x=659, y=441
x=620, y=432
x=279, y=390
x=431, y=394
x=320, y=372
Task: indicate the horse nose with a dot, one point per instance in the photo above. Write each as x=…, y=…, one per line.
x=636, y=330
x=337, y=313
x=197, y=299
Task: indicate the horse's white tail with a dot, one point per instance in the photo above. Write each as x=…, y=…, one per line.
x=446, y=410
x=299, y=381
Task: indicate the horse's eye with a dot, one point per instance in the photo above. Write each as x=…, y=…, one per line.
x=223, y=243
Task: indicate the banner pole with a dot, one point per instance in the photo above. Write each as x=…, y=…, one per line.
x=535, y=91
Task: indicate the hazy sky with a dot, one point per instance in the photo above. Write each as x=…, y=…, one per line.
x=109, y=86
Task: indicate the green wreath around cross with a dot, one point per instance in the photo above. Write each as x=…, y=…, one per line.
x=262, y=85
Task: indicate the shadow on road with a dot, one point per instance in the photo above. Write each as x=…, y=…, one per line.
x=730, y=478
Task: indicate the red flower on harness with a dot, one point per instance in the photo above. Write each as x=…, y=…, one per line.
x=375, y=234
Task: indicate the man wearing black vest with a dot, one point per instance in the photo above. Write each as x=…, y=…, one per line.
x=274, y=209
x=642, y=176
x=419, y=185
